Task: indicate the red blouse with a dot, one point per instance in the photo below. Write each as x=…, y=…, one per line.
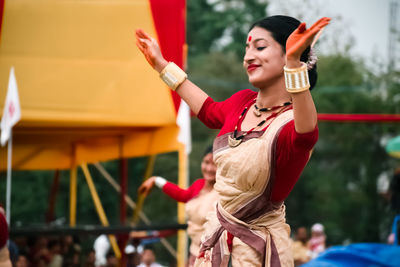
x=183, y=195
x=292, y=151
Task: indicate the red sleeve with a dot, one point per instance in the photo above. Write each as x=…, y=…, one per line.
x=3, y=231
x=183, y=195
x=292, y=154
x=213, y=114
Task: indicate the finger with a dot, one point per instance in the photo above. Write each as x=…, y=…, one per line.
x=324, y=20
x=316, y=38
x=315, y=30
x=141, y=189
x=140, y=33
x=301, y=28
x=143, y=34
x=139, y=45
x=145, y=43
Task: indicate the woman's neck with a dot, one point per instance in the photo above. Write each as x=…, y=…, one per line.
x=208, y=186
x=273, y=94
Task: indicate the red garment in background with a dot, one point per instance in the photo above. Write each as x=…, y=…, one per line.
x=183, y=195
x=3, y=230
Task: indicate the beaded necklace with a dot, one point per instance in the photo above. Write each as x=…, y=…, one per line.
x=257, y=111
x=237, y=140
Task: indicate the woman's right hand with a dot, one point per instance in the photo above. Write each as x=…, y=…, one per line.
x=151, y=50
x=147, y=185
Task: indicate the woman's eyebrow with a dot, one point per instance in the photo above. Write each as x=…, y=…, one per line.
x=260, y=39
x=256, y=40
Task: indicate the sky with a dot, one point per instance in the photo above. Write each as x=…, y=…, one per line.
x=362, y=23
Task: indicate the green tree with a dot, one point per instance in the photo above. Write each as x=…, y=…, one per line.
x=221, y=24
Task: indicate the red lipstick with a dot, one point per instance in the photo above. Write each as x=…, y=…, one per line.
x=252, y=67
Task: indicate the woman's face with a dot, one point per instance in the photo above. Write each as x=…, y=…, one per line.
x=208, y=168
x=264, y=58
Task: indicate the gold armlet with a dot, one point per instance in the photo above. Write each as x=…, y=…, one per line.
x=297, y=80
x=173, y=76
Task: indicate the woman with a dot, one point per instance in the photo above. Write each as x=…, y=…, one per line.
x=200, y=199
x=264, y=144
x=4, y=253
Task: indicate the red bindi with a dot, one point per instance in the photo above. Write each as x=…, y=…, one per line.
x=249, y=38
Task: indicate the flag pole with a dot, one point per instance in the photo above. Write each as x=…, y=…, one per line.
x=11, y=115
x=8, y=194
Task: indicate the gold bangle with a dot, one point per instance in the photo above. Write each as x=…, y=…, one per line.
x=296, y=80
x=173, y=76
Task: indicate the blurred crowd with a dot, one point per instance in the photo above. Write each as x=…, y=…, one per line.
x=305, y=247
x=67, y=252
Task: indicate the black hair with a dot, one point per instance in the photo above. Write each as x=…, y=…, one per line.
x=149, y=247
x=395, y=191
x=281, y=27
x=208, y=150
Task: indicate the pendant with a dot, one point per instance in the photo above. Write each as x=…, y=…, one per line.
x=257, y=112
x=233, y=142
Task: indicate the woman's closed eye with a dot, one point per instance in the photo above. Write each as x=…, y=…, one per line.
x=260, y=48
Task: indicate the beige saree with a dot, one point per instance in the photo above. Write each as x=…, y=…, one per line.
x=245, y=176
x=197, y=209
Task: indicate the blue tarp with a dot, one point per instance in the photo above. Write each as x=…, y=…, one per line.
x=358, y=255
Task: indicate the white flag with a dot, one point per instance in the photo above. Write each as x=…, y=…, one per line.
x=183, y=121
x=12, y=109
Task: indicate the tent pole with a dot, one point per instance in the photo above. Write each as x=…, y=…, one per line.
x=53, y=197
x=141, y=197
x=72, y=197
x=123, y=168
x=132, y=205
x=182, y=182
x=123, y=180
x=99, y=209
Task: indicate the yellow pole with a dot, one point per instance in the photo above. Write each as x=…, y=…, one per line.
x=182, y=182
x=132, y=205
x=72, y=197
x=140, y=200
x=99, y=209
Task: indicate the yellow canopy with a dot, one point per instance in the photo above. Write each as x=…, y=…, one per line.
x=86, y=92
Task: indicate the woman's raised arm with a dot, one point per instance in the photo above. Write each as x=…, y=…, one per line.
x=187, y=90
x=305, y=114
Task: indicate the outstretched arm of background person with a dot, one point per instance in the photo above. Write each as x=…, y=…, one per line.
x=188, y=91
x=173, y=190
x=305, y=114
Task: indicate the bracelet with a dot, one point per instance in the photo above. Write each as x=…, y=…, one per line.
x=173, y=76
x=160, y=182
x=296, y=80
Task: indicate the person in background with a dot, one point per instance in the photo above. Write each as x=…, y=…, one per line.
x=101, y=247
x=394, y=196
x=200, y=199
x=317, y=241
x=90, y=258
x=111, y=260
x=4, y=254
x=56, y=259
x=149, y=258
x=22, y=261
x=301, y=253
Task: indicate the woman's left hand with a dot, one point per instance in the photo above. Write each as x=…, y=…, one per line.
x=301, y=38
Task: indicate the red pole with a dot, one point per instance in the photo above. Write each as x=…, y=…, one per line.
x=367, y=118
x=53, y=197
x=123, y=180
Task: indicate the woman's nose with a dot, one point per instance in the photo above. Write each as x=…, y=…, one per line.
x=248, y=57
